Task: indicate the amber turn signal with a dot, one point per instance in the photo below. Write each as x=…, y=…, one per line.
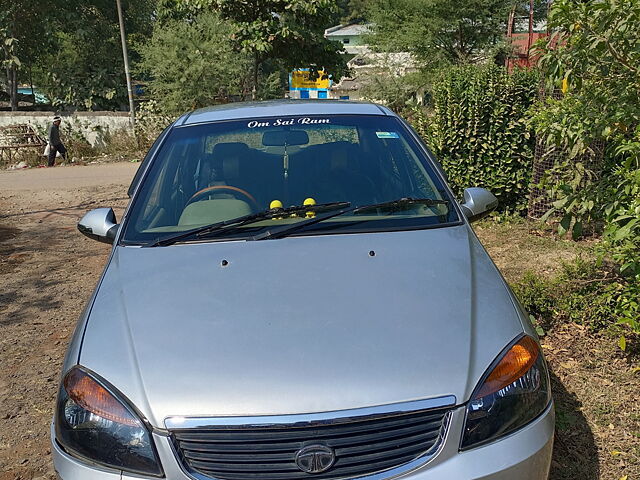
x=90, y=395
x=514, y=364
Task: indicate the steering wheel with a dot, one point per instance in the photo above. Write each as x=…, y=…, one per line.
x=196, y=196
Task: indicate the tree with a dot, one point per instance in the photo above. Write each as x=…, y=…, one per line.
x=84, y=69
x=193, y=64
x=67, y=46
x=10, y=64
x=167, y=10
x=288, y=31
x=24, y=34
x=438, y=32
x=593, y=57
x=351, y=11
x=389, y=83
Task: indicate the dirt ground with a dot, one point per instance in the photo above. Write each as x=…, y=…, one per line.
x=48, y=270
x=595, y=386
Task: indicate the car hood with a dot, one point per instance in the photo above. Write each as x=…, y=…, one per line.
x=300, y=324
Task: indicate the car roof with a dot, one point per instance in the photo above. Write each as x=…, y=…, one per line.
x=273, y=108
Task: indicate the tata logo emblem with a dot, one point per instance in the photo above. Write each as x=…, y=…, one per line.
x=315, y=458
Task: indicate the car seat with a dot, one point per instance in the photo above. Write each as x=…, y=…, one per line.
x=342, y=177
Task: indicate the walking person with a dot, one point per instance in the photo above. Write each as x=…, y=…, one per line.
x=55, y=144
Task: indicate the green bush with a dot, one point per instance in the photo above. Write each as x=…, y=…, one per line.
x=536, y=296
x=193, y=64
x=622, y=240
x=589, y=292
x=612, y=202
x=478, y=129
x=151, y=120
x=589, y=56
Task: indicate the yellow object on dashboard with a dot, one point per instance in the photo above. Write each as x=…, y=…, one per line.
x=310, y=201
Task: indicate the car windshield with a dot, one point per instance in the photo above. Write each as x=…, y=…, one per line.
x=215, y=172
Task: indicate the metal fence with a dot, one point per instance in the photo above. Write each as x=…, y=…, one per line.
x=547, y=157
x=16, y=138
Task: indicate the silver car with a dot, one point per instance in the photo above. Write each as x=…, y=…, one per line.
x=293, y=293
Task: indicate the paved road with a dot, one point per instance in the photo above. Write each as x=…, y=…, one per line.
x=66, y=177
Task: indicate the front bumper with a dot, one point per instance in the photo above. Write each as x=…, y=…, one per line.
x=523, y=455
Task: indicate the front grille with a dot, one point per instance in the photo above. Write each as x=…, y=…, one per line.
x=362, y=446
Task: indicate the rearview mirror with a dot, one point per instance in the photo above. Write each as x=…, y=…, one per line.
x=478, y=203
x=99, y=224
x=280, y=138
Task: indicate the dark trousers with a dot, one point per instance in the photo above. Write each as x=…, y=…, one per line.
x=52, y=153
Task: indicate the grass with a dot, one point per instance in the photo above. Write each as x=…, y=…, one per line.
x=520, y=246
x=595, y=384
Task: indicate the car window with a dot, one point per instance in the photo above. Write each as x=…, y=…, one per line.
x=253, y=137
x=145, y=162
x=209, y=173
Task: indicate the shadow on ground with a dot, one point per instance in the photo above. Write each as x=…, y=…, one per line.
x=36, y=289
x=575, y=454
x=7, y=249
x=68, y=211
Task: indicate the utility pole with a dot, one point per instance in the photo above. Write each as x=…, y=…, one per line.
x=125, y=54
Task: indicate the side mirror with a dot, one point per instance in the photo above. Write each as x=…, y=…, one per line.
x=99, y=224
x=478, y=203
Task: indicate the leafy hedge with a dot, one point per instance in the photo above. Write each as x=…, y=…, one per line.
x=478, y=129
x=590, y=56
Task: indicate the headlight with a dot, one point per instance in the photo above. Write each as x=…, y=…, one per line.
x=514, y=391
x=92, y=423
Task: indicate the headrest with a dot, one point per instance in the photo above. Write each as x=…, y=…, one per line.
x=230, y=154
x=342, y=156
x=230, y=149
x=230, y=168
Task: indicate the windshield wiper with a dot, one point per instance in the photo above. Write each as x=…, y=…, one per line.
x=288, y=229
x=399, y=204
x=205, y=230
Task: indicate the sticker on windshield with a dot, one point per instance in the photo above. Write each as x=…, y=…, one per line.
x=387, y=135
x=283, y=122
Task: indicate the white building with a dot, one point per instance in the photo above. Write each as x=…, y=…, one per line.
x=350, y=36
x=364, y=63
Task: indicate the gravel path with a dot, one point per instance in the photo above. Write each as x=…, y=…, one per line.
x=34, y=179
x=47, y=272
